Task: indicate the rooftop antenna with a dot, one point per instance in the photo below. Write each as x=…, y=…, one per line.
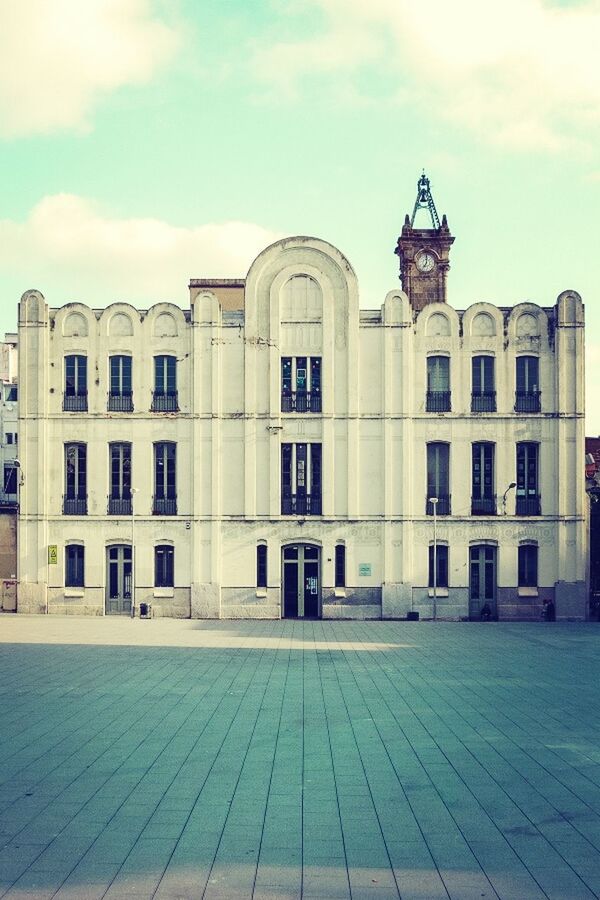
x=425, y=201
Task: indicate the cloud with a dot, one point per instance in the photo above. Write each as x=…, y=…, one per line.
x=68, y=246
x=521, y=73
x=58, y=58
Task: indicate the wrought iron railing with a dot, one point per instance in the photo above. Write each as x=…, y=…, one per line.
x=301, y=505
x=483, y=506
x=301, y=401
x=75, y=402
x=120, y=506
x=7, y=499
x=164, y=506
x=528, y=506
x=442, y=506
x=438, y=401
x=528, y=401
x=485, y=401
x=75, y=506
x=164, y=401
x=122, y=402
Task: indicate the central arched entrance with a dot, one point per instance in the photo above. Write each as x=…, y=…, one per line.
x=301, y=576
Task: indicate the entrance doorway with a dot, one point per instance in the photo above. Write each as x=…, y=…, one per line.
x=118, y=580
x=301, y=582
x=482, y=568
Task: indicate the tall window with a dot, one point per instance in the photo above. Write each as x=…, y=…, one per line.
x=528, y=498
x=10, y=479
x=119, y=501
x=165, y=485
x=483, y=498
x=301, y=479
x=75, y=396
x=261, y=566
x=301, y=384
x=164, y=560
x=441, y=556
x=164, y=398
x=75, y=498
x=74, y=560
x=527, y=398
x=483, y=396
x=438, y=384
x=120, y=395
x=528, y=565
x=438, y=478
x=340, y=566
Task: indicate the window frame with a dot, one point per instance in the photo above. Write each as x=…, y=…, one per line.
x=74, y=568
x=164, y=566
x=441, y=565
x=262, y=559
x=528, y=565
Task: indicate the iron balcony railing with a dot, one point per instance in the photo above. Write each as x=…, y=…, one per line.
x=301, y=505
x=122, y=402
x=164, y=506
x=438, y=401
x=75, y=402
x=485, y=401
x=528, y=401
x=528, y=506
x=301, y=401
x=442, y=506
x=483, y=506
x=75, y=506
x=164, y=401
x=8, y=499
x=120, y=506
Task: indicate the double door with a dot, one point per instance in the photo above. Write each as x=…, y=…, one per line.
x=118, y=580
x=482, y=581
x=301, y=582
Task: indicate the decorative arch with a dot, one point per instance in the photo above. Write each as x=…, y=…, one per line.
x=301, y=299
x=438, y=325
x=527, y=325
x=483, y=325
x=165, y=325
x=75, y=325
x=120, y=325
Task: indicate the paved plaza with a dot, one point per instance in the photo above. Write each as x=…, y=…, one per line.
x=225, y=760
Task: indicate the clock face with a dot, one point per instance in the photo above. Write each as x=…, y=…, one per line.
x=425, y=262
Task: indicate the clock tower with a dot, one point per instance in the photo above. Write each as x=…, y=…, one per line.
x=424, y=252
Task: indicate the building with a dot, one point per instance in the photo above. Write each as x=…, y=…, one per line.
x=277, y=451
x=592, y=475
x=9, y=470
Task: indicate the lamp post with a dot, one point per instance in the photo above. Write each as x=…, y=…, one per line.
x=434, y=503
x=133, y=492
x=512, y=485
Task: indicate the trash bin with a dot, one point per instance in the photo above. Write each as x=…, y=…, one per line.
x=145, y=610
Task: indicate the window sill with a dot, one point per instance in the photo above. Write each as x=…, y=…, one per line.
x=261, y=592
x=439, y=592
x=74, y=592
x=164, y=592
x=527, y=592
x=339, y=592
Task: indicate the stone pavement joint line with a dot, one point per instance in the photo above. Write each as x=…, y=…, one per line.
x=176, y=760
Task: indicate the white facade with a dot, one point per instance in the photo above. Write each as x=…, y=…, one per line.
x=365, y=489
x=9, y=417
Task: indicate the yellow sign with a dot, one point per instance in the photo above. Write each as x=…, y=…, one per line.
x=52, y=555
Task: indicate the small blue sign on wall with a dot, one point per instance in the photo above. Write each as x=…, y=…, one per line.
x=364, y=570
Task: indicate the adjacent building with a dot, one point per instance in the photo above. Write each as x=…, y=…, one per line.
x=277, y=451
x=9, y=472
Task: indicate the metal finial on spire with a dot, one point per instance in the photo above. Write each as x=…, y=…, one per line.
x=425, y=201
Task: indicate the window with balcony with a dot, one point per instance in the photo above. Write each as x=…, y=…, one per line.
x=9, y=493
x=483, y=497
x=120, y=395
x=301, y=384
x=164, y=566
x=441, y=569
x=261, y=566
x=528, y=496
x=164, y=396
x=528, y=394
x=528, y=566
x=165, y=485
x=438, y=384
x=301, y=479
x=74, y=565
x=119, y=500
x=75, y=496
x=75, y=397
x=483, y=384
x=438, y=479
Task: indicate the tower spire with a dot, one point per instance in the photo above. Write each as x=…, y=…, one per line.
x=425, y=201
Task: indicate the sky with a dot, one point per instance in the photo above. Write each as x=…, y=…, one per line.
x=147, y=142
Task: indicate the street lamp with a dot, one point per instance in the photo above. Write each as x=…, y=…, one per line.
x=133, y=491
x=512, y=485
x=434, y=503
